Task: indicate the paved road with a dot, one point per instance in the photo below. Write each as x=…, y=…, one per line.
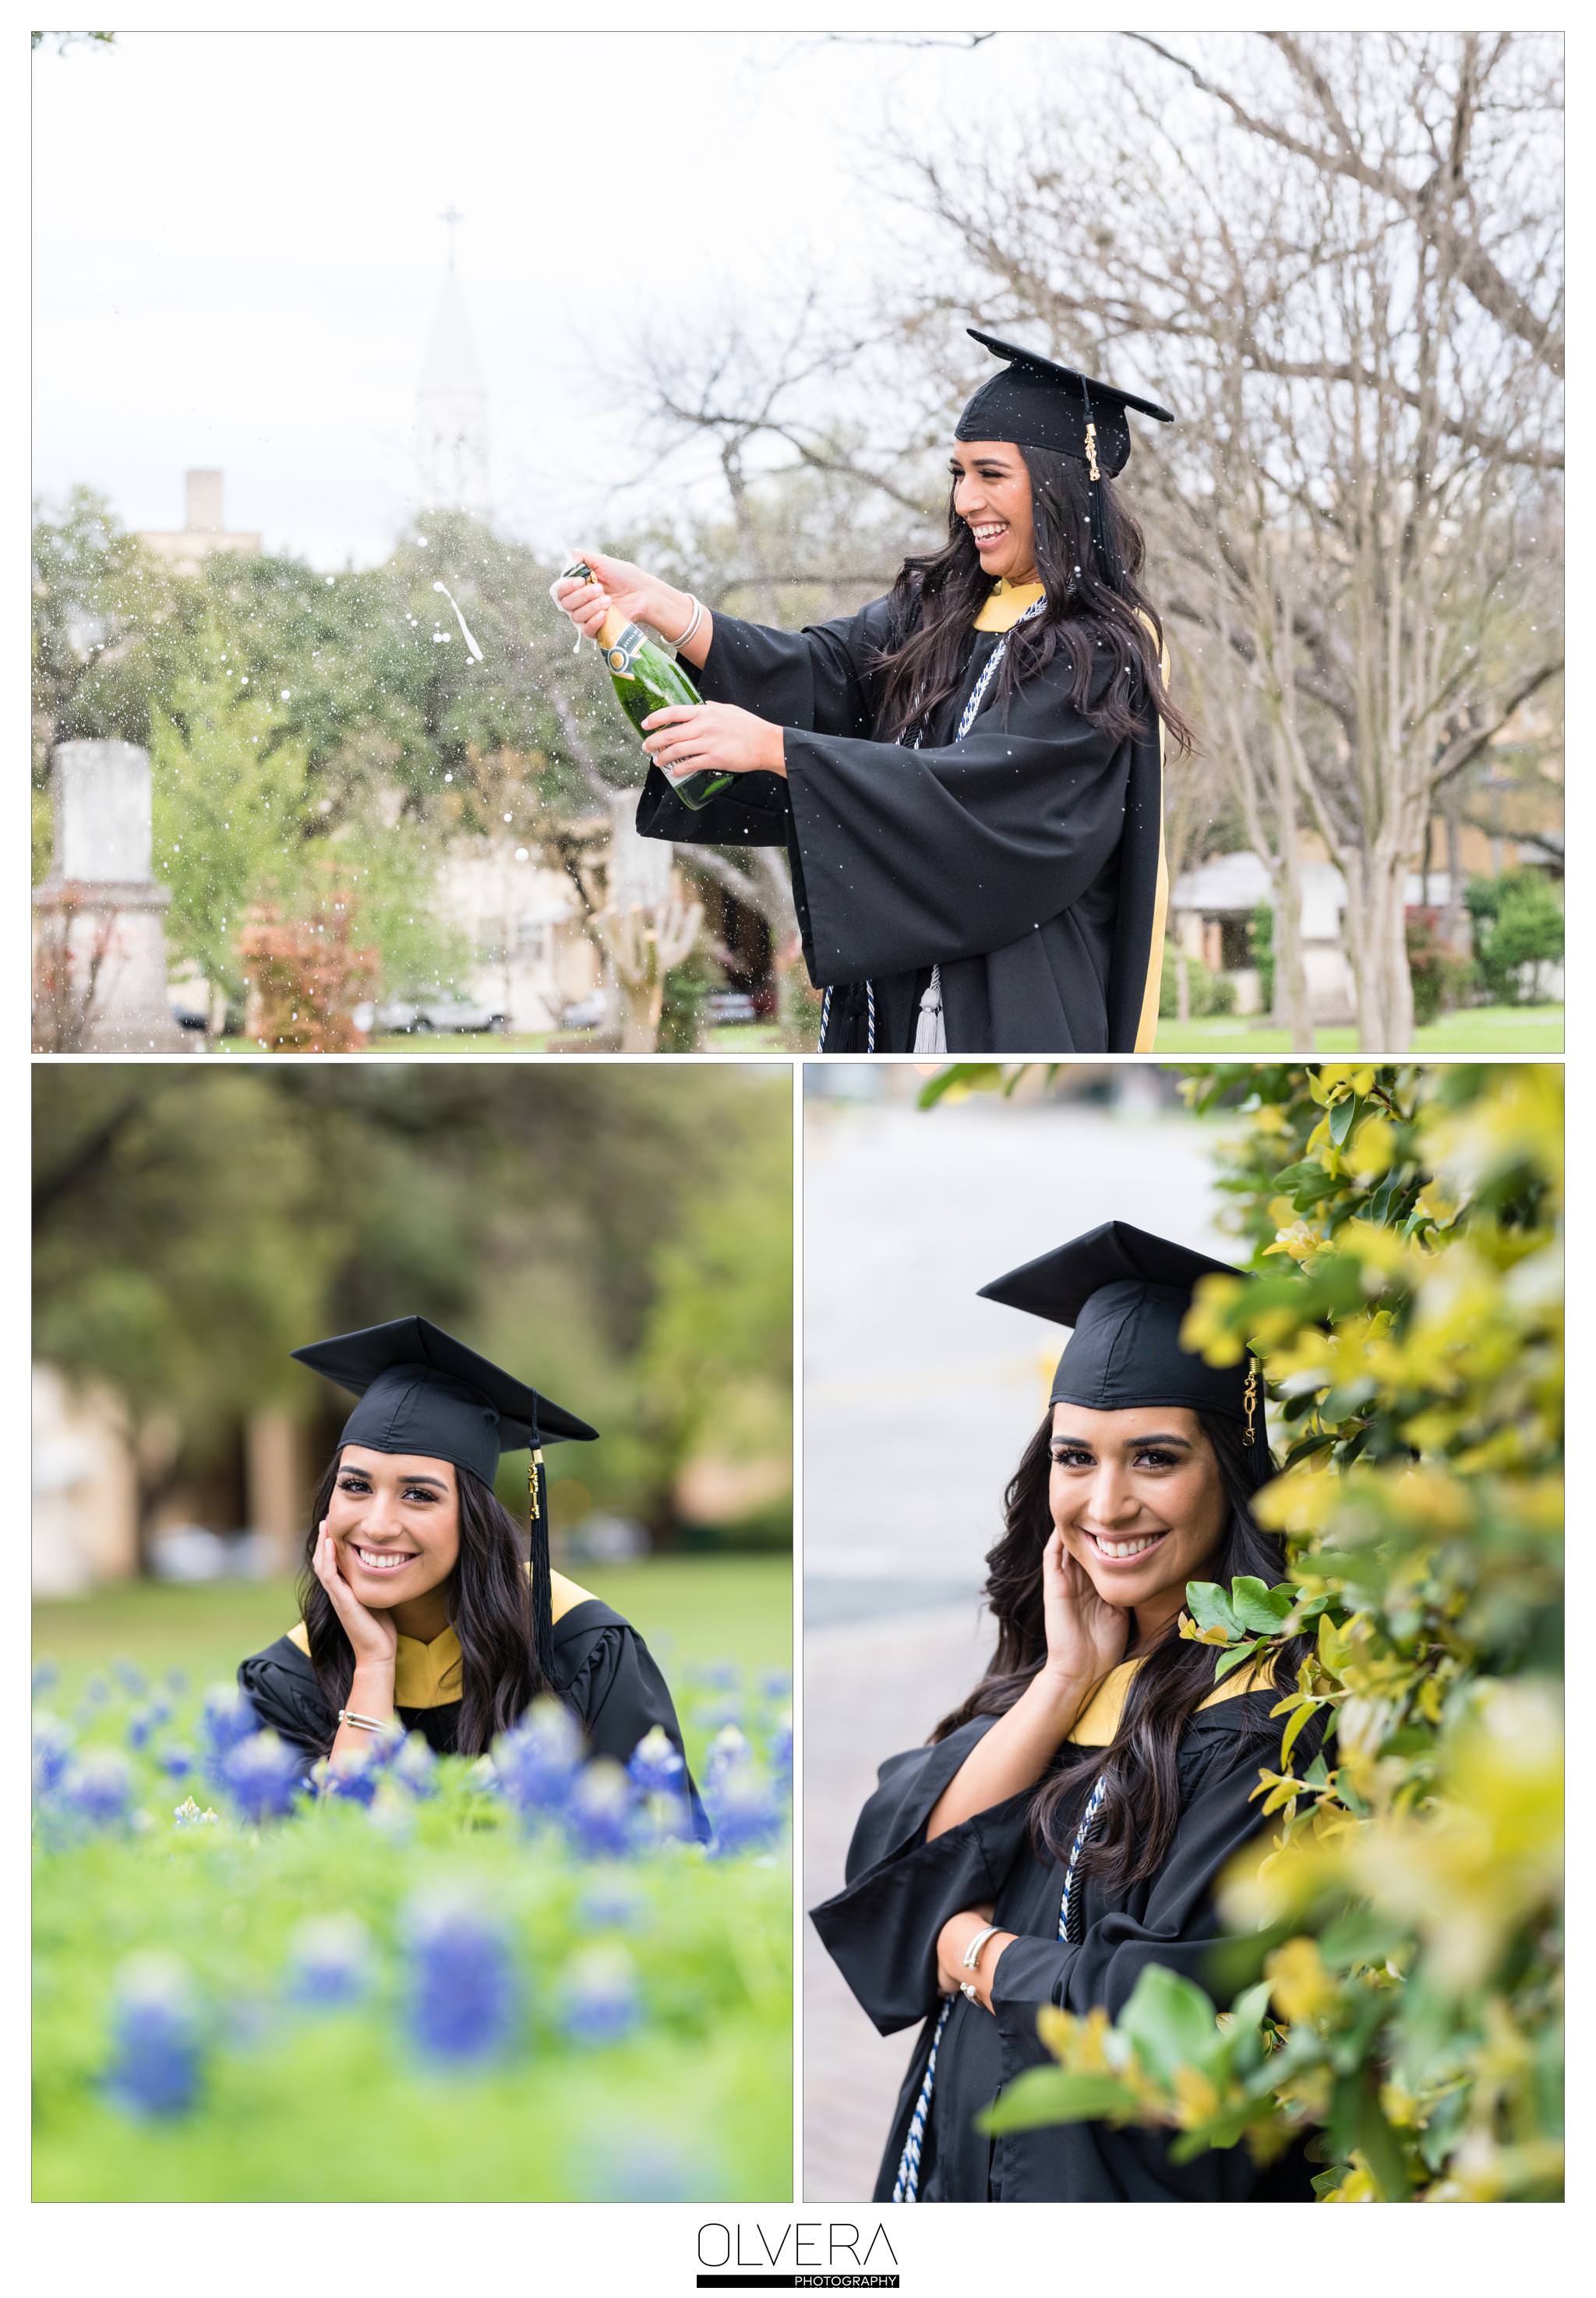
x=918, y=1400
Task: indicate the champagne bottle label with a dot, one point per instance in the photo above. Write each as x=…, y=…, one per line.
x=624, y=649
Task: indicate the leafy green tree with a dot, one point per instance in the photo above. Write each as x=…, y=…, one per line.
x=1394, y=1982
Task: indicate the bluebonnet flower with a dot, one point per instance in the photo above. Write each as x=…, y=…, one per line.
x=662, y=1819
x=718, y=1715
x=52, y=1752
x=598, y=1816
x=176, y=1682
x=656, y=1767
x=330, y=1960
x=146, y=1718
x=155, y=2032
x=777, y=1683
x=263, y=1775
x=415, y=1766
x=392, y=1811
x=464, y=1998
x=780, y=1751
x=612, y=1903
x=132, y=1678
x=536, y=1764
x=97, y=1691
x=175, y=1760
x=728, y=1752
x=227, y=1718
x=746, y=1810
x=354, y=1778
x=598, y=2000
x=718, y=1675
x=47, y=1675
x=187, y=1814
x=642, y=2169
x=99, y=1788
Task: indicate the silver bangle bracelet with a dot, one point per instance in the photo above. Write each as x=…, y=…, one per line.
x=366, y=1722
x=697, y=616
x=971, y=1958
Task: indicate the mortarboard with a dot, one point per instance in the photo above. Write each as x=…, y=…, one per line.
x=422, y=1390
x=1126, y=1293
x=1036, y=402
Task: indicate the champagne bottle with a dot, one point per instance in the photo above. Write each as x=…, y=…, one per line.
x=646, y=678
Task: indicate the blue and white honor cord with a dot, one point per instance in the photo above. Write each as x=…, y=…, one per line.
x=906, y=2186
x=967, y=717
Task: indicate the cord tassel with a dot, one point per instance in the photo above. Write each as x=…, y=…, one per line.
x=543, y=1593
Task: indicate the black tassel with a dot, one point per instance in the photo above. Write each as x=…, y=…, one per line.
x=543, y=1593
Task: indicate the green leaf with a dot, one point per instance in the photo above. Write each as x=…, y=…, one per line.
x=1048, y=2094
x=1171, y=2022
x=972, y=1077
x=1261, y=1609
x=1235, y=1658
x=1343, y=1117
x=1209, y=1606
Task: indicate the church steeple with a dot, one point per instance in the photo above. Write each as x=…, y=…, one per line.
x=451, y=405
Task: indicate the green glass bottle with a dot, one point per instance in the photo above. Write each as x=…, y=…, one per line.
x=645, y=679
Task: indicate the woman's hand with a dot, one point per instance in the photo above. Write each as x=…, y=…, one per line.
x=954, y=1938
x=690, y=736
x=1086, y=1637
x=373, y=1637
x=619, y=586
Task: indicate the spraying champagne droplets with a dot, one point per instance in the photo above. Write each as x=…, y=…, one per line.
x=474, y=650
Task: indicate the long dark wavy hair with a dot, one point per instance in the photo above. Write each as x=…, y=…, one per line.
x=1096, y=625
x=490, y=1611
x=1142, y=1801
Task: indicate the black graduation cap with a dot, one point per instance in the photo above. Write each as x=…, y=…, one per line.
x=422, y=1390
x=1126, y=1292
x=1036, y=402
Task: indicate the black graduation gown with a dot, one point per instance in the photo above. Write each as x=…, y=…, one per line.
x=882, y=1931
x=1026, y=861
x=604, y=1672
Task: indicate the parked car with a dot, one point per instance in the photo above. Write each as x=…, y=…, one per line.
x=730, y=1006
x=589, y=1013
x=460, y=1016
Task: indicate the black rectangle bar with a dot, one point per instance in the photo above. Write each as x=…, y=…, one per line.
x=811, y=2281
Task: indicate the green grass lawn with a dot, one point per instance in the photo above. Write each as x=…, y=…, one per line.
x=736, y=1038
x=1475, y=1030
x=692, y=1610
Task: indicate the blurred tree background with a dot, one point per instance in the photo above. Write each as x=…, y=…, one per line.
x=1397, y=1978
x=622, y=1237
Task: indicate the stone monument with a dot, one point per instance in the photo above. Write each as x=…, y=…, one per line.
x=100, y=960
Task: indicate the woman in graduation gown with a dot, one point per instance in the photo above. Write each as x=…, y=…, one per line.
x=420, y=1608
x=1095, y=1720
x=967, y=774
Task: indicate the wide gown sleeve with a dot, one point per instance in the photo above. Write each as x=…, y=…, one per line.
x=1173, y=1921
x=281, y=1686
x=882, y=1930
x=818, y=679
x=922, y=857
x=619, y=1695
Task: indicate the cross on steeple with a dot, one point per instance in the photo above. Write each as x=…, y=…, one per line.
x=452, y=215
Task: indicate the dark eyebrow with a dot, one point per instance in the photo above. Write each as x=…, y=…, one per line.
x=1132, y=1444
x=437, y=1483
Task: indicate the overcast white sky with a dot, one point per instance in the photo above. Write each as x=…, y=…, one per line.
x=237, y=245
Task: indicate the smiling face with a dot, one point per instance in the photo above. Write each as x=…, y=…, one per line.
x=395, y=1522
x=991, y=493
x=1138, y=1498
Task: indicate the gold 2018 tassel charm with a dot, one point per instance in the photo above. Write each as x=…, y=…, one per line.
x=1092, y=470
x=531, y=1481
x=1250, y=1402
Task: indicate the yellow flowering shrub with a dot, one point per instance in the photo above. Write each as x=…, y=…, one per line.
x=1394, y=1977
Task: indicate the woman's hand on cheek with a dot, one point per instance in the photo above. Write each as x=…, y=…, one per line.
x=372, y=1635
x=688, y=737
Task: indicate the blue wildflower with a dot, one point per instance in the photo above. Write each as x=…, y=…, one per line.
x=263, y=1776
x=156, y=2043
x=728, y=1752
x=537, y=1763
x=415, y=1766
x=187, y=1814
x=176, y=1682
x=598, y=1816
x=330, y=1961
x=52, y=1752
x=777, y=1684
x=612, y=1903
x=146, y=1718
x=464, y=1998
x=132, y=1678
x=226, y=1719
x=99, y=1788
x=780, y=1751
x=718, y=1715
x=175, y=1760
x=598, y=2000
x=718, y=1675
x=47, y=1675
x=664, y=1819
x=656, y=1767
x=746, y=1810
x=354, y=1778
